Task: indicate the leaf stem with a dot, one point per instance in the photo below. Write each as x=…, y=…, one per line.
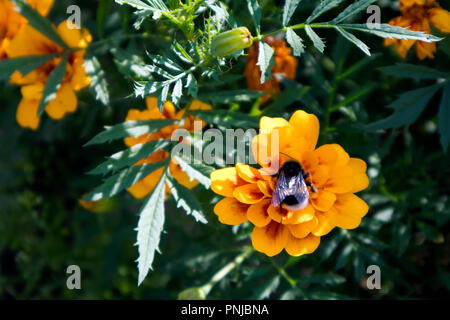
x=299, y=26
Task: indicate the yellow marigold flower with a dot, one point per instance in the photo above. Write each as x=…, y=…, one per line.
x=28, y=42
x=143, y=187
x=286, y=65
x=248, y=191
x=11, y=22
x=417, y=16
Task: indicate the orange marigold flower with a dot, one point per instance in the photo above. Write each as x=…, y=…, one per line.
x=286, y=65
x=28, y=42
x=248, y=191
x=11, y=22
x=143, y=187
x=417, y=16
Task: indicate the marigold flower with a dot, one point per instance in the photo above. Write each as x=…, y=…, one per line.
x=286, y=65
x=29, y=42
x=11, y=22
x=143, y=187
x=417, y=16
x=248, y=191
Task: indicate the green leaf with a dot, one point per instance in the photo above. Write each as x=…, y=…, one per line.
x=23, y=64
x=98, y=81
x=103, y=9
x=129, y=128
x=323, y=7
x=177, y=92
x=352, y=9
x=265, y=60
x=267, y=289
x=318, y=43
x=165, y=62
x=343, y=256
x=355, y=95
x=226, y=118
x=191, y=85
x=199, y=172
x=230, y=96
x=408, y=107
x=405, y=70
x=129, y=156
x=123, y=180
x=149, y=229
x=288, y=10
x=387, y=31
x=328, y=248
x=39, y=22
x=295, y=42
x=255, y=11
x=53, y=84
x=444, y=117
x=324, y=279
x=350, y=37
x=185, y=199
x=357, y=66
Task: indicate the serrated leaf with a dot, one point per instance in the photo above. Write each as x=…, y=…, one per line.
x=226, y=118
x=323, y=7
x=191, y=85
x=408, y=107
x=352, y=9
x=149, y=229
x=230, y=96
x=98, y=81
x=288, y=10
x=123, y=180
x=444, y=117
x=177, y=92
x=129, y=156
x=165, y=62
x=199, y=172
x=295, y=42
x=265, y=60
x=53, y=84
x=392, y=32
x=184, y=199
x=318, y=43
x=350, y=37
x=135, y=4
x=255, y=11
x=23, y=64
x=181, y=53
x=163, y=97
x=128, y=129
x=39, y=23
x=405, y=70
x=130, y=64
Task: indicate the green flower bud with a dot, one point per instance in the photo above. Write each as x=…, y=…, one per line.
x=192, y=294
x=230, y=41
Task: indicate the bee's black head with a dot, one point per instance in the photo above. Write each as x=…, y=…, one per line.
x=291, y=168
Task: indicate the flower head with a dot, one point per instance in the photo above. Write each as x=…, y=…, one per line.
x=285, y=65
x=417, y=16
x=334, y=174
x=144, y=186
x=28, y=42
x=11, y=22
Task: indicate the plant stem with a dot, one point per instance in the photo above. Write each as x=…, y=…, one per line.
x=299, y=26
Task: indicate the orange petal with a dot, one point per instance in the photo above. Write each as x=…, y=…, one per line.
x=323, y=200
x=26, y=114
x=267, y=124
x=231, y=212
x=340, y=180
x=350, y=210
x=306, y=126
x=297, y=247
x=247, y=173
x=140, y=190
x=270, y=239
x=332, y=155
x=248, y=193
x=440, y=18
x=326, y=222
x=65, y=101
x=309, y=161
x=320, y=175
x=265, y=187
x=301, y=230
x=299, y=216
x=224, y=181
x=257, y=213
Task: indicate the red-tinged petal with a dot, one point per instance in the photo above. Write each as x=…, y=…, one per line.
x=270, y=239
x=298, y=247
x=257, y=213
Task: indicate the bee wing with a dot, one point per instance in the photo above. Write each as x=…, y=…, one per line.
x=289, y=186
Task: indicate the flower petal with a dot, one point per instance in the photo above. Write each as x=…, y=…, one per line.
x=265, y=187
x=299, y=216
x=231, y=212
x=248, y=193
x=332, y=155
x=323, y=200
x=301, y=230
x=247, y=173
x=340, y=180
x=26, y=114
x=140, y=190
x=306, y=126
x=350, y=210
x=257, y=213
x=224, y=181
x=440, y=18
x=270, y=239
x=326, y=222
x=298, y=247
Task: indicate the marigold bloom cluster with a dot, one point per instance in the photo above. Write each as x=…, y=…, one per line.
x=248, y=191
x=143, y=187
x=286, y=66
x=27, y=41
x=417, y=16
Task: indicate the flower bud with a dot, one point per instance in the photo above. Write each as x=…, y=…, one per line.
x=192, y=294
x=230, y=41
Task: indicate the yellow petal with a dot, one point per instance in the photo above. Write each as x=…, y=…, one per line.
x=29, y=42
x=323, y=200
x=350, y=210
x=309, y=161
x=332, y=155
x=257, y=213
x=298, y=247
x=199, y=105
x=425, y=49
x=26, y=114
x=74, y=38
x=80, y=79
x=140, y=190
x=231, y=212
x=248, y=193
x=320, y=175
x=340, y=180
x=265, y=187
x=306, y=126
x=326, y=222
x=440, y=18
x=64, y=102
x=267, y=124
x=248, y=173
x=301, y=230
x=224, y=181
x=270, y=239
x=181, y=176
x=299, y=216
